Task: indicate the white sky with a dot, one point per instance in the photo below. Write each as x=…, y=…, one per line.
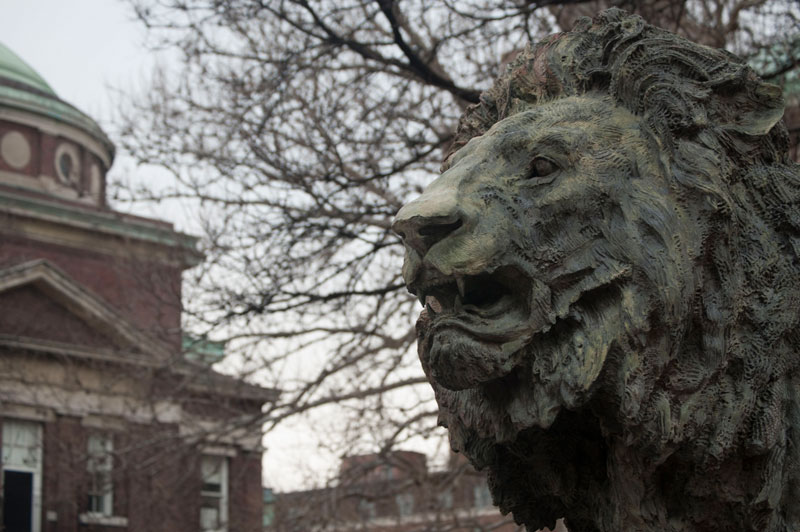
x=87, y=50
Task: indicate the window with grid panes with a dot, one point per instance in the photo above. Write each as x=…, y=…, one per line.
x=214, y=493
x=100, y=466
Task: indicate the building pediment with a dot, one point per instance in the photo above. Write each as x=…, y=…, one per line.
x=57, y=314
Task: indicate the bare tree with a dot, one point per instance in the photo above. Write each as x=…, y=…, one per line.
x=297, y=128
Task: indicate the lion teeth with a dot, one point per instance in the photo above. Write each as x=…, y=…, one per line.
x=460, y=284
x=433, y=303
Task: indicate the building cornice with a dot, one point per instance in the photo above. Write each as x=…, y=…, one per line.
x=50, y=347
x=55, y=109
x=211, y=383
x=78, y=226
x=203, y=379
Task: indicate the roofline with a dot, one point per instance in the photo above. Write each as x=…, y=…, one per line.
x=27, y=99
x=17, y=69
x=204, y=379
x=109, y=222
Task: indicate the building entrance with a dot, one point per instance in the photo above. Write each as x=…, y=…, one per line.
x=17, y=501
x=22, y=476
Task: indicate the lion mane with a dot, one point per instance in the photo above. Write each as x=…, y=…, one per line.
x=692, y=424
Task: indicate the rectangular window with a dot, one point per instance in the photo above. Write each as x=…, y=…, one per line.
x=100, y=467
x=214, y=493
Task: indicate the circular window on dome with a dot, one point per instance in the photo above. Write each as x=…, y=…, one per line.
x=68, y=164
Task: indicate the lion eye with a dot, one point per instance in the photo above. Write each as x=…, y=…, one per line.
x=541, y=167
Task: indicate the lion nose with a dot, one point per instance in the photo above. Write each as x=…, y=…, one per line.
x=423, y=231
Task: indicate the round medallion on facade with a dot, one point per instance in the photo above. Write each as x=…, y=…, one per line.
x=15, y=150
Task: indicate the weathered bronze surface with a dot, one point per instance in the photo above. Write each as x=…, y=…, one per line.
x=610, y=266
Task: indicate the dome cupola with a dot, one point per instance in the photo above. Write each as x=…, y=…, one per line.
x=46, y=144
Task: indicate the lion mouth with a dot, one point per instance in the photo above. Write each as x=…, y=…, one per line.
x=478, y=324
x=474, y=302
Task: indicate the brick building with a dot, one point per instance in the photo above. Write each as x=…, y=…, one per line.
x=112, y=419
x=394, y=492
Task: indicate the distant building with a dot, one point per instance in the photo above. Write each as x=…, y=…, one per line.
x=391, y=493
x=111, y=419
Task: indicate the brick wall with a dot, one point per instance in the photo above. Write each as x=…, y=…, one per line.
x=245, y=492
x=156, y=480
x=63, y=473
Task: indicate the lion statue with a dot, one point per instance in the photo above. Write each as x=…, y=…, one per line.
x=610, y=268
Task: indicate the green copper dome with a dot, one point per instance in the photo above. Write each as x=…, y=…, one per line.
x=22, y=88
x=15, y=69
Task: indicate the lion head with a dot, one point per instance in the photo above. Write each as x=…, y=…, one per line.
x=610, y=265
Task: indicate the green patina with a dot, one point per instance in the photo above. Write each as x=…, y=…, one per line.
x=21, y=87
x=610, y=265
x=14, y=68
x=203, y=350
